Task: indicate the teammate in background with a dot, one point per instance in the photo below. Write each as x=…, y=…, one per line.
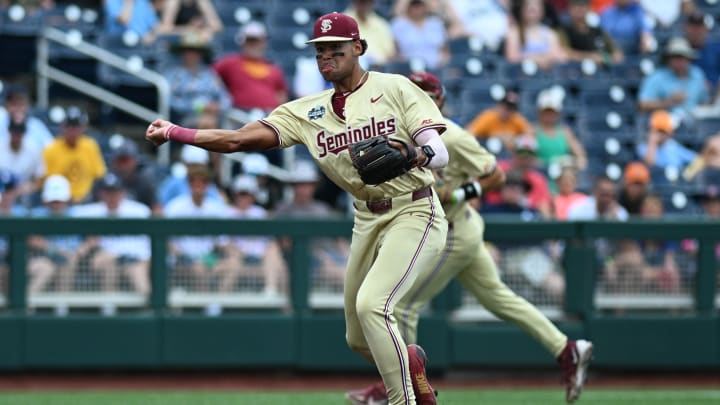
x=471, y=170
x=400, y=227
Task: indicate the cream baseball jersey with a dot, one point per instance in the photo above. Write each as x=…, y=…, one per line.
x=385, y=105
x=468, y=160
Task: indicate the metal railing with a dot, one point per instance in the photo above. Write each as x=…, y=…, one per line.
x=73, y=40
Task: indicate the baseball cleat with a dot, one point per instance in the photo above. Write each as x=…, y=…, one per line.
x=375, y=394
x=424, y=393
x=574, y=360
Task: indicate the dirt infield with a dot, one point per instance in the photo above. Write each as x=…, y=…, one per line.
x=222, y=381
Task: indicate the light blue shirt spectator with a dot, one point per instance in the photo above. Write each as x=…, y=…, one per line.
x=670, y=154
x=173, y=187
x=36, y=130
x=192, y=90
x=625, y=25
x=142, y=18
x=423, y=43
x=662, y=83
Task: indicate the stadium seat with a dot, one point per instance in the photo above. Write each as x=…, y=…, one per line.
x=614, y=96
x=296, y=15
x=708, y=127
x=234, y=14
x=137, y=55
x=290, y=40
x=18, y=21
x=574, y=72
x=634, y=69
x=526, y=71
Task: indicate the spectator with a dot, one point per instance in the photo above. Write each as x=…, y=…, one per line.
x=679, y=86
x=603, y=204
x=21, y=157
x=137, y=180
x=251, y=256
x=514, y=198
x=667, y=12
x=111, y=256
x=189, y=16
x=582, y=41
x=57, y=255
x=253, y=81
x=661, y=150
x=136, y=16
x=75, y=156
x=567, y=193
x=710, y=199
x=329, y=254
x=645, y=265
x=8, y=195
x=443, y=9
x=198, y=96
x=197, y=256
x=706, y=48
x=599, y=6
x=486, y=20
x=503, y=121
x=376, y=31
x=530, y=39
x=635, y=187
x=528, y=260
x=706, y=167
x=420, y=35
x=555, y=139
x=17, y=104
x=626, y=24
x=176, y=184
x=524, y=158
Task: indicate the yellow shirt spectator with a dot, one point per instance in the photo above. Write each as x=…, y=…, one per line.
x=75, y=156
x=375, y=30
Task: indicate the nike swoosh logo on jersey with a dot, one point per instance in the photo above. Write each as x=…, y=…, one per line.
x=373, y=100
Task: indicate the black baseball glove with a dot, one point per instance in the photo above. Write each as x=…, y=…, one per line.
x=377, y=161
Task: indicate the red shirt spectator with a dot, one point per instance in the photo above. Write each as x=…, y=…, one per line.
x=524, y=159
x=252, y=80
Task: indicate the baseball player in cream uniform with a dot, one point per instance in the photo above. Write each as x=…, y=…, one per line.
x=399, y=227
x=470, y=170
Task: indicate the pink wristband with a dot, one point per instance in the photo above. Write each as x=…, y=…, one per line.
x=180, y=134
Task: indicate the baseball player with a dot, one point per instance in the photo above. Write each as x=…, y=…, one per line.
x=470, y=170
x=400, y=226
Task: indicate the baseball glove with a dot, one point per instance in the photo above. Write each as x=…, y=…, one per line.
x=377, y=161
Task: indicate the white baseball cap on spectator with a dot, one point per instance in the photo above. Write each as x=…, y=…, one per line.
x=305, y=172
x=253, y=29
x=549, y=100
x=256, y=164
x=245, y=184
x=56, y=188
x=193, y=155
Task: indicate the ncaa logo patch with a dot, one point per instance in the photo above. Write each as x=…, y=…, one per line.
x=317, y=112
x=326, y=25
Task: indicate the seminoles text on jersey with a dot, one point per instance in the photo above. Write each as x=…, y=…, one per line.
x=336, y=143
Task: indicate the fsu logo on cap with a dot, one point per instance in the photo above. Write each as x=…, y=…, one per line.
x=326, y=25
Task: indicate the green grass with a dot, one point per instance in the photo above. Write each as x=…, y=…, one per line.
x=447, y=397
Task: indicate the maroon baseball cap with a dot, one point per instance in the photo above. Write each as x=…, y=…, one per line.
x=335, y=27
x=428, y=82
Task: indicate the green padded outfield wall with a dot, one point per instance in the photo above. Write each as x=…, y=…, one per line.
x=304, y=339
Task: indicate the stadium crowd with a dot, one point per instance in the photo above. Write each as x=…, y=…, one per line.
x=596, y=109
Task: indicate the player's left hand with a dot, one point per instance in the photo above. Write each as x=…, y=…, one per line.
x=155, y=132
x=419, y=154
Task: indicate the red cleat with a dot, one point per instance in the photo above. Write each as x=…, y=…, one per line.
x=574, y=360
x=424, y=393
